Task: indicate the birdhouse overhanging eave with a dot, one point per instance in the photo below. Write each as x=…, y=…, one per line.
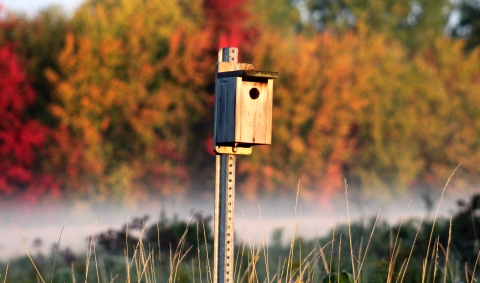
x=248, y=74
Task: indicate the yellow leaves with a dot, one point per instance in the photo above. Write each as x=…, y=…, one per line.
x=359, y=106
x=186, y=60
x=297, y=145
x=130, y=89
x=134, y=90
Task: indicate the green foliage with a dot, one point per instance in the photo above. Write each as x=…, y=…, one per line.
x=468, y=26
x=414, y=23
x=281, y=14
x=342, y=277
x=381, y=253
x=167, y=235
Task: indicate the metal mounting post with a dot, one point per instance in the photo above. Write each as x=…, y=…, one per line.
x=223, y=266
x=224, y=219
x=243, y=118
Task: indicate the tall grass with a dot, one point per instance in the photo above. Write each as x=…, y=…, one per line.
x=329, y=259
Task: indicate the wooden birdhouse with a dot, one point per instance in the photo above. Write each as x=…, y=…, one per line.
x=243, y=105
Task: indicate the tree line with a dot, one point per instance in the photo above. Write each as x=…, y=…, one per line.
x=116, y=101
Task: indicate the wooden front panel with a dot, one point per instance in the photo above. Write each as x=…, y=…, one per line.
x=253, y=117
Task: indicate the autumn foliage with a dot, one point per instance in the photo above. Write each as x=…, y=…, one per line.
x=122, y=107
x=20, y=138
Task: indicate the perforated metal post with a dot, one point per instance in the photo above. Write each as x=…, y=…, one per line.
x=224, y=218
x=243, y=118
x=223, y=266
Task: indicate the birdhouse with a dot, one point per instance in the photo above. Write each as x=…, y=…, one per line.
x=243, y=105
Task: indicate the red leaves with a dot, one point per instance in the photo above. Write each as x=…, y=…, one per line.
x=16, y=93
x=227, y=20
x=20, y=138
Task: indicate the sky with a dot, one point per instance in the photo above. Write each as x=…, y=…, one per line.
x=30, y=7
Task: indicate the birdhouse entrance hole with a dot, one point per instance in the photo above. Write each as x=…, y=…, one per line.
x=254, y=93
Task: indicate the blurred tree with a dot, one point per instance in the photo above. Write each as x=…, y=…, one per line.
x=21, y=138
x=284, y=15
x=359, y=106
x=227, y=19
x=459, y=76
x=381, y=98
x=468, y=26
x=38, y=41
x=414, y=23
x=129, y=93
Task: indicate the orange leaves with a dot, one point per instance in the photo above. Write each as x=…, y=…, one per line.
x=357, y=106
x=134, y=109
x=130, y=92
x=186, y=60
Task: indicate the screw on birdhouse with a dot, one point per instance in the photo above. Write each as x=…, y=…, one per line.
x=243, y=118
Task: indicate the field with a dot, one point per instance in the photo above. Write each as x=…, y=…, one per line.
x=427, y=249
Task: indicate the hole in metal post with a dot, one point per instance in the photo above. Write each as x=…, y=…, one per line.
x=254, y=93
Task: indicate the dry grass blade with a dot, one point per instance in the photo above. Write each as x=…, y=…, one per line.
x=209, y=272
x=411, y=252
x=145, y=264
x=240, y=252
x=193, y=272
x=447, y=257
x=402, y=267
x=179, y=254
x=359, y=259
x=329, y=271
x=95, y=257
x=292, y=241
x=264, y=248
x=158, y=245
x=281, y=271
x=435, y=219
x=144, y=261
x=466, y=273
x=435, y=262
x=89, y=250
x=56, y=252
x=307, y=262
x=350, y=233
x=198, y=255
x=128, y=265
x=322, y=256
x=368, y=245
x=255, y=256
x=251, y=262
x=475, y=268
x=6, y=273
x=339, y=253
x=300, y=241
x=28, y=254
x=73, y=274
x=391, y=264
x=240, y=262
